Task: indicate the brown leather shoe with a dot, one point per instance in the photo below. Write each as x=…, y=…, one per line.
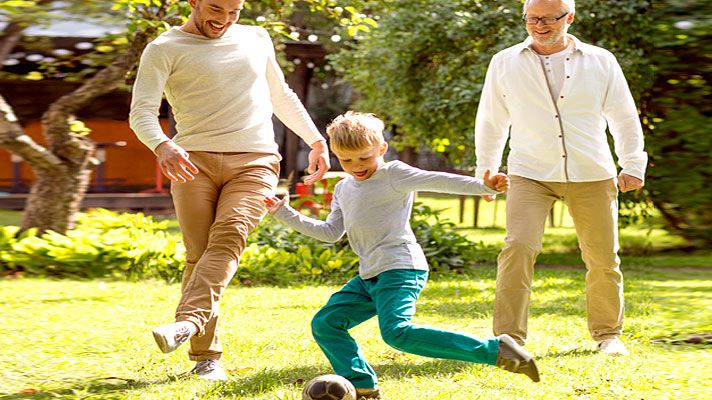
x=513, y=358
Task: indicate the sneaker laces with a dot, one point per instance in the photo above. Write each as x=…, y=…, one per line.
x=206, y=366
x=182, y=334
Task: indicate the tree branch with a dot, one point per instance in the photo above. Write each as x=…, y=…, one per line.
x=11, y=35
x=13, y=138
x=55, y=119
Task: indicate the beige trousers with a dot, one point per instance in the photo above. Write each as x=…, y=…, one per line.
x=216, y=212
x=594, y=209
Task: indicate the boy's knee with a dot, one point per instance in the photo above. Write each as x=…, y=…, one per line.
x=396, y=337
x=320, y=323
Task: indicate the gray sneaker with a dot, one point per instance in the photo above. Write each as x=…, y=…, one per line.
x=513, y=358
x=170, y=337
x=210, y=370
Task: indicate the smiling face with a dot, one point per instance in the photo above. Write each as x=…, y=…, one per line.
x=362, y=163
x=548, y=39
x=212, y=18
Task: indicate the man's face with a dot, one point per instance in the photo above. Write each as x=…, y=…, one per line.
x=212, y=18
x=548, y=35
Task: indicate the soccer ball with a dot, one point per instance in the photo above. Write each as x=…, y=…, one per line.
x=329, y=387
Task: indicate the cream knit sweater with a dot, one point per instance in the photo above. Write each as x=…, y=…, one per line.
x=223, y=92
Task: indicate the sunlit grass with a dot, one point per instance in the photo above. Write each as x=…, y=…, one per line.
x=91, y=339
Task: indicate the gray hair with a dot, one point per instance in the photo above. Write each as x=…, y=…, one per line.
x=569, y=6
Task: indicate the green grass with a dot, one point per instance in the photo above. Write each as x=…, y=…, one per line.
x=91, y=339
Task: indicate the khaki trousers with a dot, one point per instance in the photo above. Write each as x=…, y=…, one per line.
x=216, y=212
x=594, y=209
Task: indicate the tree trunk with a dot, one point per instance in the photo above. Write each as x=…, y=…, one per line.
x=55, y=197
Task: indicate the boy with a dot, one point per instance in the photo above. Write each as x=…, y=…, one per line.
x=372, y=206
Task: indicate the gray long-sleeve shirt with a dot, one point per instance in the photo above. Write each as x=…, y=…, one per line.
x=375, y=215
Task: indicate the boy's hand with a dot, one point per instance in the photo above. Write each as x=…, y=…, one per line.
x=274, y=203
x=498, y=182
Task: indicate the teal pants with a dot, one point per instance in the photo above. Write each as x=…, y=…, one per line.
x=391, y=295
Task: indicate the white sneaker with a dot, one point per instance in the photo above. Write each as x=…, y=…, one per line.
x=613, y=347
x=170, y=337
x=210, y=370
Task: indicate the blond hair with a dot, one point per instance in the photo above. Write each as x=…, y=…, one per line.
x=355, y=131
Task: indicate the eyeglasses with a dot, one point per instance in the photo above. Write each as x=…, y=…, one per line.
x=544, y=20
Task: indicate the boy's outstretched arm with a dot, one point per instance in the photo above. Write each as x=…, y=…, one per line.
x=330, y=230
x=405, y=178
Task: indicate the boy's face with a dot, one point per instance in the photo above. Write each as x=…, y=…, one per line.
x=362, y=163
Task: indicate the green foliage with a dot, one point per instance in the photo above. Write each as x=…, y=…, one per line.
x=106, y=243
x=279, y=255
x=680, y=110
x=423, y=71
x=424, y=66
x=103, y=244
x=445, y=248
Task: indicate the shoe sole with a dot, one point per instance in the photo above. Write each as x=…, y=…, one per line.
x=531, y=370
x=161, y=342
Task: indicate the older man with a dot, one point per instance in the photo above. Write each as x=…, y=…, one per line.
x=224, y=84
x=554, y=95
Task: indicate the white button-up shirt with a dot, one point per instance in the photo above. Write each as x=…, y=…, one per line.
x=562, y=139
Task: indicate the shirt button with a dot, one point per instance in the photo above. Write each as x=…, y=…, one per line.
x=568, y=76
x=562, y=97
x=564, y=156
x=556, y=116
x=562, y=136
x=567, y=59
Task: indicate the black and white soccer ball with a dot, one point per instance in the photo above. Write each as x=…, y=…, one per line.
x=329, y=387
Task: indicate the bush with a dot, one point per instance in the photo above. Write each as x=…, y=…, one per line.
x=424, y=66
x=103, y=244
x=108, y=244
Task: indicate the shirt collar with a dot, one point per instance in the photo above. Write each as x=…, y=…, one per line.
x=527, y=45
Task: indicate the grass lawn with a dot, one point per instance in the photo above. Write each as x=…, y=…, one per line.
x=91, y=339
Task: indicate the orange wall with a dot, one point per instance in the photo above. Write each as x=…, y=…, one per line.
x=133, y=164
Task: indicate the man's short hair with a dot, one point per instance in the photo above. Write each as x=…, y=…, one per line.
x=355, y=131
x=569, y=6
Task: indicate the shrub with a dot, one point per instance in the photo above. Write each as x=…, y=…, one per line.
x=109, y=244
x=103, y=244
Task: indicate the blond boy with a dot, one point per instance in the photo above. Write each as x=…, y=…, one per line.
x=372, y=206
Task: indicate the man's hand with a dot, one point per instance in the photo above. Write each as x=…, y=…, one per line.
x=174, y=163
x=273, y=203
x=626, y=183
x=318, y=162
x=498, y=182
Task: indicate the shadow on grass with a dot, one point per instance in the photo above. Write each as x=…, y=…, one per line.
x=266, y=380
x=99, y=386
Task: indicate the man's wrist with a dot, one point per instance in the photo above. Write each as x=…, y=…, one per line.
x=319, y=145
x=160, y=145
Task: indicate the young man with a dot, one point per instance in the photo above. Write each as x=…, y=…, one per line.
x=373, y=206
x=223, y=84
x=558, y=94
